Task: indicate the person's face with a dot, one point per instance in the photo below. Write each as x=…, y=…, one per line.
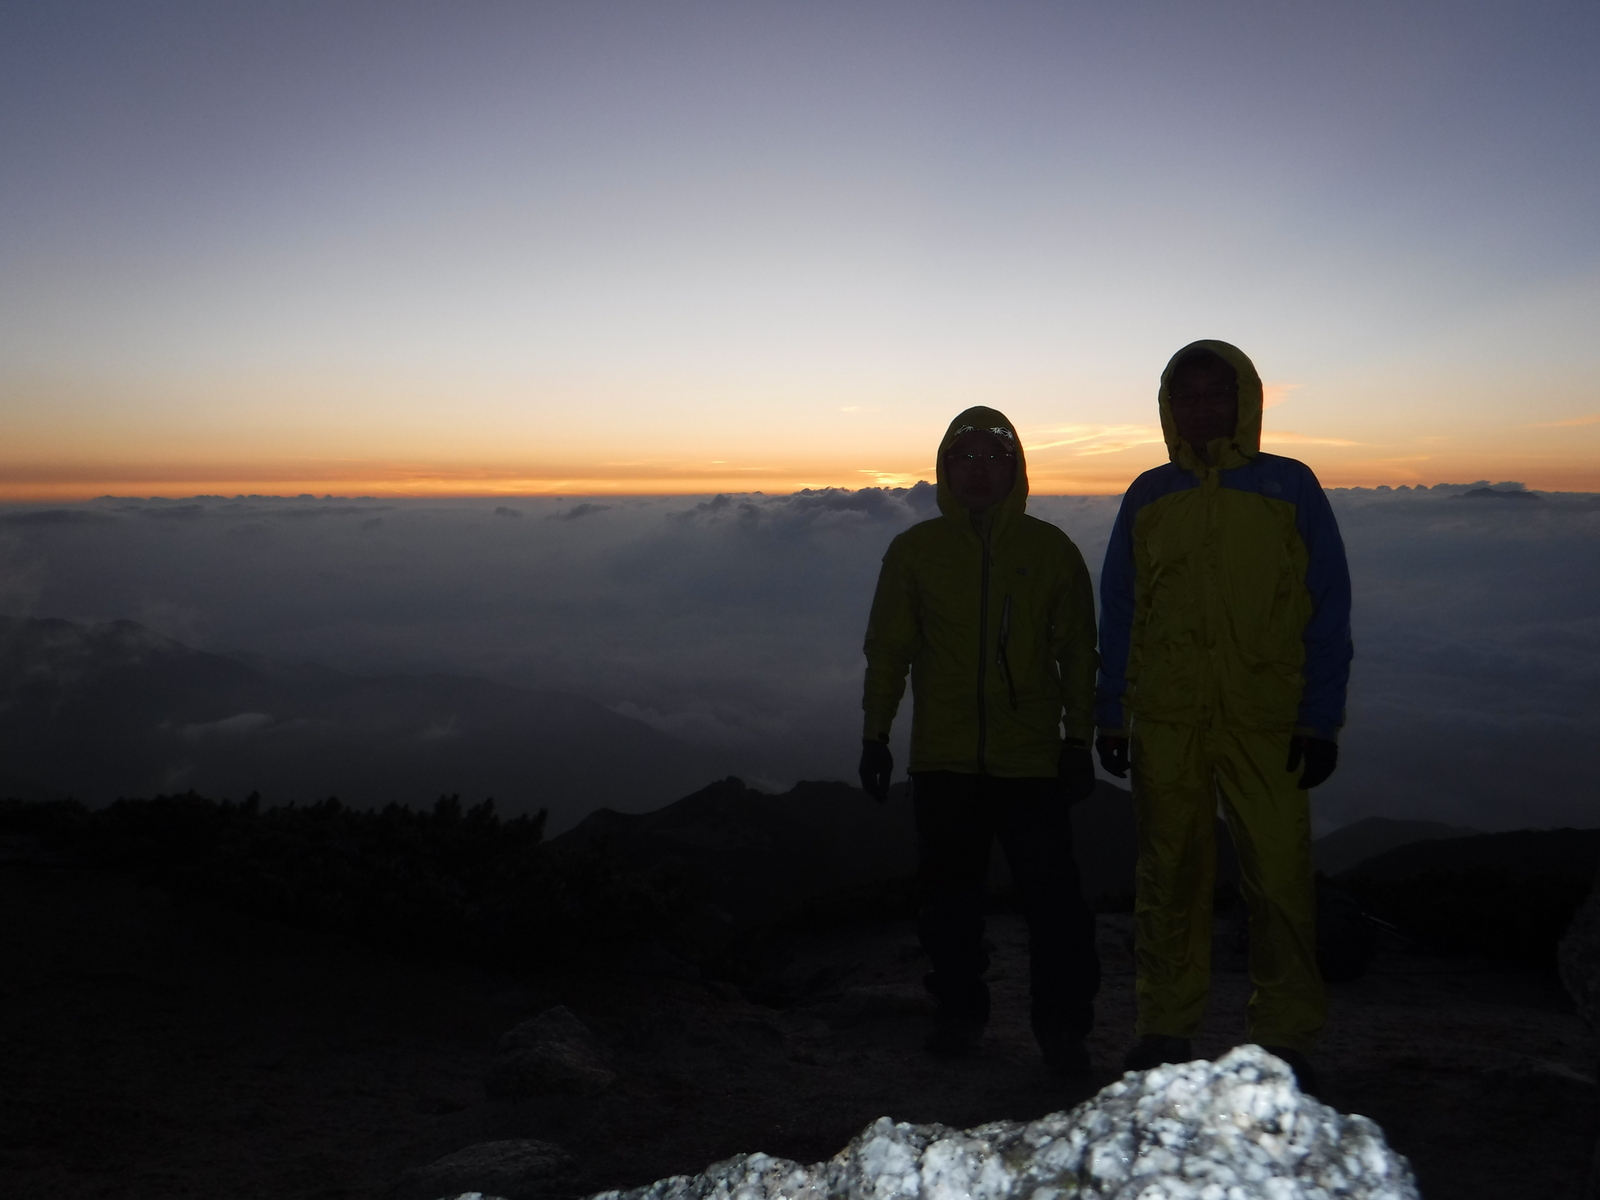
x=981, y=469
x=1205, y=403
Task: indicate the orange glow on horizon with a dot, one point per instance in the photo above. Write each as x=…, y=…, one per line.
x=1101, y=475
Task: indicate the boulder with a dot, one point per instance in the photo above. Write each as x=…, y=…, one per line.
x=513, y=1170
x=857, y=1005
x=552, y=1052
x=1579, y=956
x=1234, y=1129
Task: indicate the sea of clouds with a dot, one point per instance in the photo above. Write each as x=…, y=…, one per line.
x=737, y=620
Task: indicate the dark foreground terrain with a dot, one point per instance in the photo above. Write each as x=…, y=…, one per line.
x=159, y=1049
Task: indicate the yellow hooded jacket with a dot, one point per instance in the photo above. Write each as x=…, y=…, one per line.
x=1225, y=596
x=993, y=616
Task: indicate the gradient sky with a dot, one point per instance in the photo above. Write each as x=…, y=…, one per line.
x=686, y=247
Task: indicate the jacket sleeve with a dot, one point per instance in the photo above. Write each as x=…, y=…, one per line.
x=1073, y=641
x=1327, y=635
x=894, y=635
x=1117, y=579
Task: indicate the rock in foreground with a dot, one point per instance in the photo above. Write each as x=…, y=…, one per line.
x=1235, y=1129
x=553, y=1052
x=520, y=1169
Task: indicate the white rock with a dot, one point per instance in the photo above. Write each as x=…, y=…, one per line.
x=1235, y=1129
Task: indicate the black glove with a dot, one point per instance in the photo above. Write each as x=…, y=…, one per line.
x=1113, y=754
x=1321, y=757
x=877, y=769
x=1075, y=771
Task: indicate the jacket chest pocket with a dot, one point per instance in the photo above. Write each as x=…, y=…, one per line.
x=1020, y=626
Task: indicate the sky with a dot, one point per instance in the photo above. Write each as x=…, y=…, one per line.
x=736, y=621
x=602, y=248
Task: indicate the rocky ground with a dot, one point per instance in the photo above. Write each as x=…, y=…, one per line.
x=151, y=1049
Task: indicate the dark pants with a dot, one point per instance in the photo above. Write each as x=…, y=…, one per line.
x=957, y=818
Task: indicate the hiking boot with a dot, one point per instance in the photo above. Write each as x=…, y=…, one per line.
x=1305, y=1075
x=951, y=1039
x=1063, y=1054
x=1155, y=1049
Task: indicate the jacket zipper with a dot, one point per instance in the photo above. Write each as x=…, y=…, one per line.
x=1000, y=658
x=983, y=662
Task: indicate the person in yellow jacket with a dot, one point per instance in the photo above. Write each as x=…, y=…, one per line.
x=1225, y=654
x=992, y=613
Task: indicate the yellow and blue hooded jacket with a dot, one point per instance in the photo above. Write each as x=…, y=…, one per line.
x=993, y=616
x=1225, y=597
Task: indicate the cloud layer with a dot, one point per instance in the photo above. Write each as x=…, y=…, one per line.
x=737, y=620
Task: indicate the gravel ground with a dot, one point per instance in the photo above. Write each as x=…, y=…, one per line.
x=155, y=1050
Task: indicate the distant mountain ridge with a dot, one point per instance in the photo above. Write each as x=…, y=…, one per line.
x=116, y=709
x=760, y=856
x=1523, y=853
x=1337, y=852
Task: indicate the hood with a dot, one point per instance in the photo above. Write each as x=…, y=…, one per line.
x=1226, y=453
x=1003, y=515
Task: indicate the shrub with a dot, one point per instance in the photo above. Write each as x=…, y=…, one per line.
x=461, y=883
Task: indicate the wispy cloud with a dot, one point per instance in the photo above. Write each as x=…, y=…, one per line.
x=1274, y=394
x=1283, y=437
x=1093, y=439
x=1591, y=419
x=1109, y=439
x=891, y=478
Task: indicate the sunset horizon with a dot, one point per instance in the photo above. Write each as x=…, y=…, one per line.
x=784, y=448
x=492, y=705
x=1353, y=466
x=602, y=248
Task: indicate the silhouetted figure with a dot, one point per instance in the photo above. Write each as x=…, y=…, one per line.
x=1225, y=644
x=992, y=613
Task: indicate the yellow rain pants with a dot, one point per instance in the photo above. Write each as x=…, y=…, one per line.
x=1178, y=772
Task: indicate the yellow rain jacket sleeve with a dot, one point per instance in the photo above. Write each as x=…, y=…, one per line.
x=993, y=617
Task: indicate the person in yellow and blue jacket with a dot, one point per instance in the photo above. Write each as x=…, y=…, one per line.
x=1225, y=653
x=991, y=612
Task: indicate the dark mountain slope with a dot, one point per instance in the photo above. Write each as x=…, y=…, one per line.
x=1344, y=848
x=1522, y=853
x=100, y=711
x=1503, y=896
x=761, y=856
